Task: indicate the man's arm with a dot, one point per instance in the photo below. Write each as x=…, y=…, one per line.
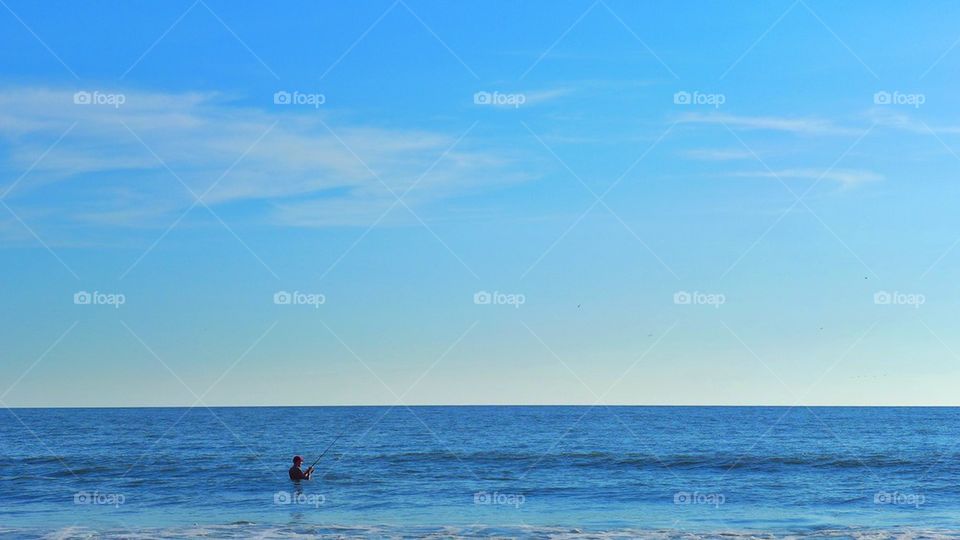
x=308, y=473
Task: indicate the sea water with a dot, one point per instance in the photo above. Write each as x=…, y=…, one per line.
x=541, y=472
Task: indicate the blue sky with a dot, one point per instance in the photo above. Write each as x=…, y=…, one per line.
x=787, y=167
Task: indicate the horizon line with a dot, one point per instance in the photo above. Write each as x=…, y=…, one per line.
x=475, y=405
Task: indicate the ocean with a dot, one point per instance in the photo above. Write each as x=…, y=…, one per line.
x=485, y=471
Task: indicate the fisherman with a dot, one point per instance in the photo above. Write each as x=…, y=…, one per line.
x=296, y=473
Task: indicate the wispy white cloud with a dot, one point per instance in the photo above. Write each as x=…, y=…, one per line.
x=299, y=173
x=845, y=177
x=803, y=126
x=512, y=99
x=888, y=117
x=537, y=97
x=718, y=154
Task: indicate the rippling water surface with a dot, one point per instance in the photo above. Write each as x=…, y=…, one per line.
x=547, y=472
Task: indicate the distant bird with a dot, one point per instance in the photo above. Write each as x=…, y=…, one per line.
x=578, y=306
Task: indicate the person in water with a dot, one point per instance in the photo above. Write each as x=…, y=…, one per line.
x=296, y=473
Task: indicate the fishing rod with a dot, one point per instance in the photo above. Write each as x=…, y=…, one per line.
x=325, y=451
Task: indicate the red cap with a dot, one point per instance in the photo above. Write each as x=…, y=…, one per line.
x=297, y=459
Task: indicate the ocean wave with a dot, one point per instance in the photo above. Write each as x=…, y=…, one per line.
x=411, y=463
x=242, y=530
x=640, y=459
